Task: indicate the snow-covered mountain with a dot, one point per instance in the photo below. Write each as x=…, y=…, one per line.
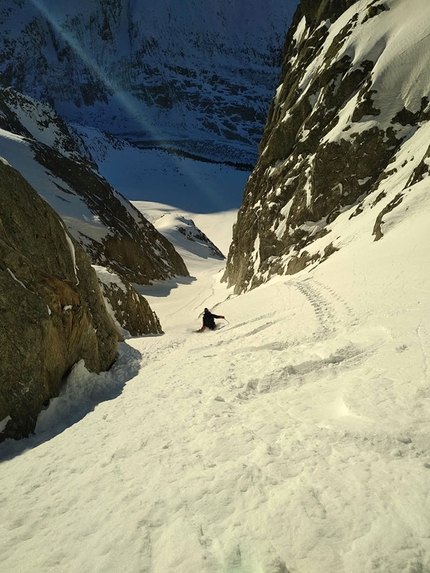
x=180, y=229
x=53, y=311
x=346, y=138
x=54, y=160
x=142, y=174
x=197, y=76
x=295, y=437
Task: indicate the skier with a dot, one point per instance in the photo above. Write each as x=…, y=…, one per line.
x=208, y=320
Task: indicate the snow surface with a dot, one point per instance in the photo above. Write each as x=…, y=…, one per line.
x=397, y=43
x=153, y=174
x=79, y=219
x=295, y=437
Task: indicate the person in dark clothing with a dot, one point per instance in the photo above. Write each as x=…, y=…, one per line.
x=209, y=320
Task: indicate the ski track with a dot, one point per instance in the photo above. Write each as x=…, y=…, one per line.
x=255, y=462
x=230, y=406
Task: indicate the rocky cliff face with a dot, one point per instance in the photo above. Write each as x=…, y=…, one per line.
x=115, y=235
x=52, y=311
x=199, y=73
x=130, y=310
x=352, y=103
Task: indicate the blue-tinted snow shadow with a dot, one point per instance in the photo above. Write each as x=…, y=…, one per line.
x=163, y=288
x=189, y=183
x=82, y=392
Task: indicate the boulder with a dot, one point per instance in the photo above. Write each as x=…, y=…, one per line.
x=52, y=312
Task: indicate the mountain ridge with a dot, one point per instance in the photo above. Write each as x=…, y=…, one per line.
x=54, y=160
x=197, y=72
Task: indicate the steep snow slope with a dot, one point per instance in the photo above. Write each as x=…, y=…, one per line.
x=293, y=439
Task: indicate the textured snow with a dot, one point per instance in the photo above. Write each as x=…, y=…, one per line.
x=301, y=31
x=108, y=278
x=400, y=76
x=295, y=436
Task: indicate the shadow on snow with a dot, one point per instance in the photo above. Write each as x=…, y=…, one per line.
x=163, y=288
x=79, y=396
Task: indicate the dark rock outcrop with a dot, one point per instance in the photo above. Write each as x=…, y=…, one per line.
x=52, y=312
x=129, y=308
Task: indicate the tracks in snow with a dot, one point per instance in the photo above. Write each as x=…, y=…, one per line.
x=329, y=307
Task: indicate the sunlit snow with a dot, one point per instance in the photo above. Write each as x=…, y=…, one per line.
x=295, y=434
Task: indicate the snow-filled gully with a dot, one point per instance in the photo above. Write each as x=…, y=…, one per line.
x=294, y=438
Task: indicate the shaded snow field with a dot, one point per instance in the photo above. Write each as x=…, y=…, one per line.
x=294, y=438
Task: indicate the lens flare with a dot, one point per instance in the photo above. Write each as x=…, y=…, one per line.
x=131, y=107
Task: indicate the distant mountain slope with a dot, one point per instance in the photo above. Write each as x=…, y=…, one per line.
x=180, y=229
x=186, y=183
x=199, y=73
x=345, y=149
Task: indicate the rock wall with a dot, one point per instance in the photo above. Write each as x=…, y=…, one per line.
x=52, y=312
x=346, y=104
x=129, y=308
